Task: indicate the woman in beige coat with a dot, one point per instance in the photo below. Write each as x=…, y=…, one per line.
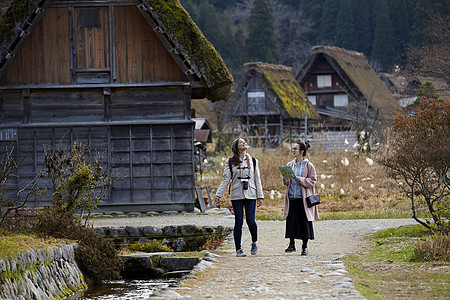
x=245, y=193
x=298, y=215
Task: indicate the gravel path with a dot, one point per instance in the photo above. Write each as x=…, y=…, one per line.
x=271, y=274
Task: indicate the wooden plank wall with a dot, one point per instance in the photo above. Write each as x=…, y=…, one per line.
x=45, y=57
x=153, y=164
x=130, y=53
x=140, y=104
x=66, y=106
x=141, y=56
x=93, y=105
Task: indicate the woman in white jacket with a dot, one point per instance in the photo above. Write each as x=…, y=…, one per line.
x=246, y=192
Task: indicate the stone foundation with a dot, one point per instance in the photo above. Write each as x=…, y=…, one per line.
x=50, y=273
x=180, y=238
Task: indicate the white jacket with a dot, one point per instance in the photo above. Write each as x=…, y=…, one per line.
x=254, y=190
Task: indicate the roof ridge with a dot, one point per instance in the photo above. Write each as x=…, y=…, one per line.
x=336, y=49
x=263, y=65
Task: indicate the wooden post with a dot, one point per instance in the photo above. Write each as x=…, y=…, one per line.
x=2, y=108
x=266, y=136
x=26, y=106
x=280, y=138
x=107, y=104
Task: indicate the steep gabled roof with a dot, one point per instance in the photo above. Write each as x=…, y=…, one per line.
x=191, y=50
x=288, y=95
x=359, y=77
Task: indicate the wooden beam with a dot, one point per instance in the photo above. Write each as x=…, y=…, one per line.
x=97, y=86
x=66, y=3
x=96, y=124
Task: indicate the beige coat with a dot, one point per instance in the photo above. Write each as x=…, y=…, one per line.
x=254, y=190
x=307, y=181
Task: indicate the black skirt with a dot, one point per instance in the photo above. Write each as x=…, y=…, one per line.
x=297, y=225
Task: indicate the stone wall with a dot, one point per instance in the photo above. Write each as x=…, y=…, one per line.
x=50, y=273
x=179, y=238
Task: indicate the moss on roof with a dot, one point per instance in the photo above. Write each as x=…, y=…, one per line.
x=197, y=49
x=289, y=95
x=13, y=12
x=354, y=65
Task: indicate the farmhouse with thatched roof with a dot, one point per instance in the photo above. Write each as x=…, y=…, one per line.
x=118, y=74
x=269, y=103
x=344, y=88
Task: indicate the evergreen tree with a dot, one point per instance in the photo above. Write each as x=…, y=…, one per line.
x=208, y=22
x=345, y=26
x=421, y=18
x=192, y=9
x=234, y=54
x=327, y=31
x=312, y=10
x=384, y=43
x=399, y=18
x=262, y=43
x=241, y=52
x=291, y=28
x=362, y=13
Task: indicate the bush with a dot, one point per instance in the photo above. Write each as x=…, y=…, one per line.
x=77, y=181
x=436, y=247
x=419, y=159
x=212, y=243
x=95, y=255
x=153, y=246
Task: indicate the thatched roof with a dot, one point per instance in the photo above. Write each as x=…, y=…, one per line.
x=360, y=78
x=287, y=93
x=192, y=51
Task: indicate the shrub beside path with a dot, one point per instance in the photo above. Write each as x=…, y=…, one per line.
x=272, y=273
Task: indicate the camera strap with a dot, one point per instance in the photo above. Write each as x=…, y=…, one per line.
x=248, y=165
x=230, y=166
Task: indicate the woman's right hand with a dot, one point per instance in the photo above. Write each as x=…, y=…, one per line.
x=285, y=181
x=217, y=202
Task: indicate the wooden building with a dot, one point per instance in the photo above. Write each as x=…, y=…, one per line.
x=269, y=104
x=344, y=88
x=118, y=74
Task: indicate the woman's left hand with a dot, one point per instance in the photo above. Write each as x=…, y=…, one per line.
x=259, y=202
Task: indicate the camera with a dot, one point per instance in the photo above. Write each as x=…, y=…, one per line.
x=245, y=185
x=245, y=182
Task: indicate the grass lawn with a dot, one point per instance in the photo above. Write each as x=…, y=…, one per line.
x=390, y=270
x=14, y=244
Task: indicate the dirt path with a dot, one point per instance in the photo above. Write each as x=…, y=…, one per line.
x=273, y=274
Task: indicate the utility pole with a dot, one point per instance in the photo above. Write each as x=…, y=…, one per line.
x=306, y=115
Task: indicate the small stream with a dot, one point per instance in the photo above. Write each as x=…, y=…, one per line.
x=123, y=289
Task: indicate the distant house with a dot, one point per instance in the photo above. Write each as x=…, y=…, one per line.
x=405, y=88
x=202, y=131
x=269, y=103
x=117, y=74
x=343, y=88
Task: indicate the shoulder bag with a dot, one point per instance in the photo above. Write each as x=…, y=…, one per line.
x=313, y=200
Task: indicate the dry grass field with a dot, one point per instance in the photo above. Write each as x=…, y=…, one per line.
x=350, y=186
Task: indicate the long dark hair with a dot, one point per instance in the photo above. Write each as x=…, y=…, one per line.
x=235, y=159
x=303, y=146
